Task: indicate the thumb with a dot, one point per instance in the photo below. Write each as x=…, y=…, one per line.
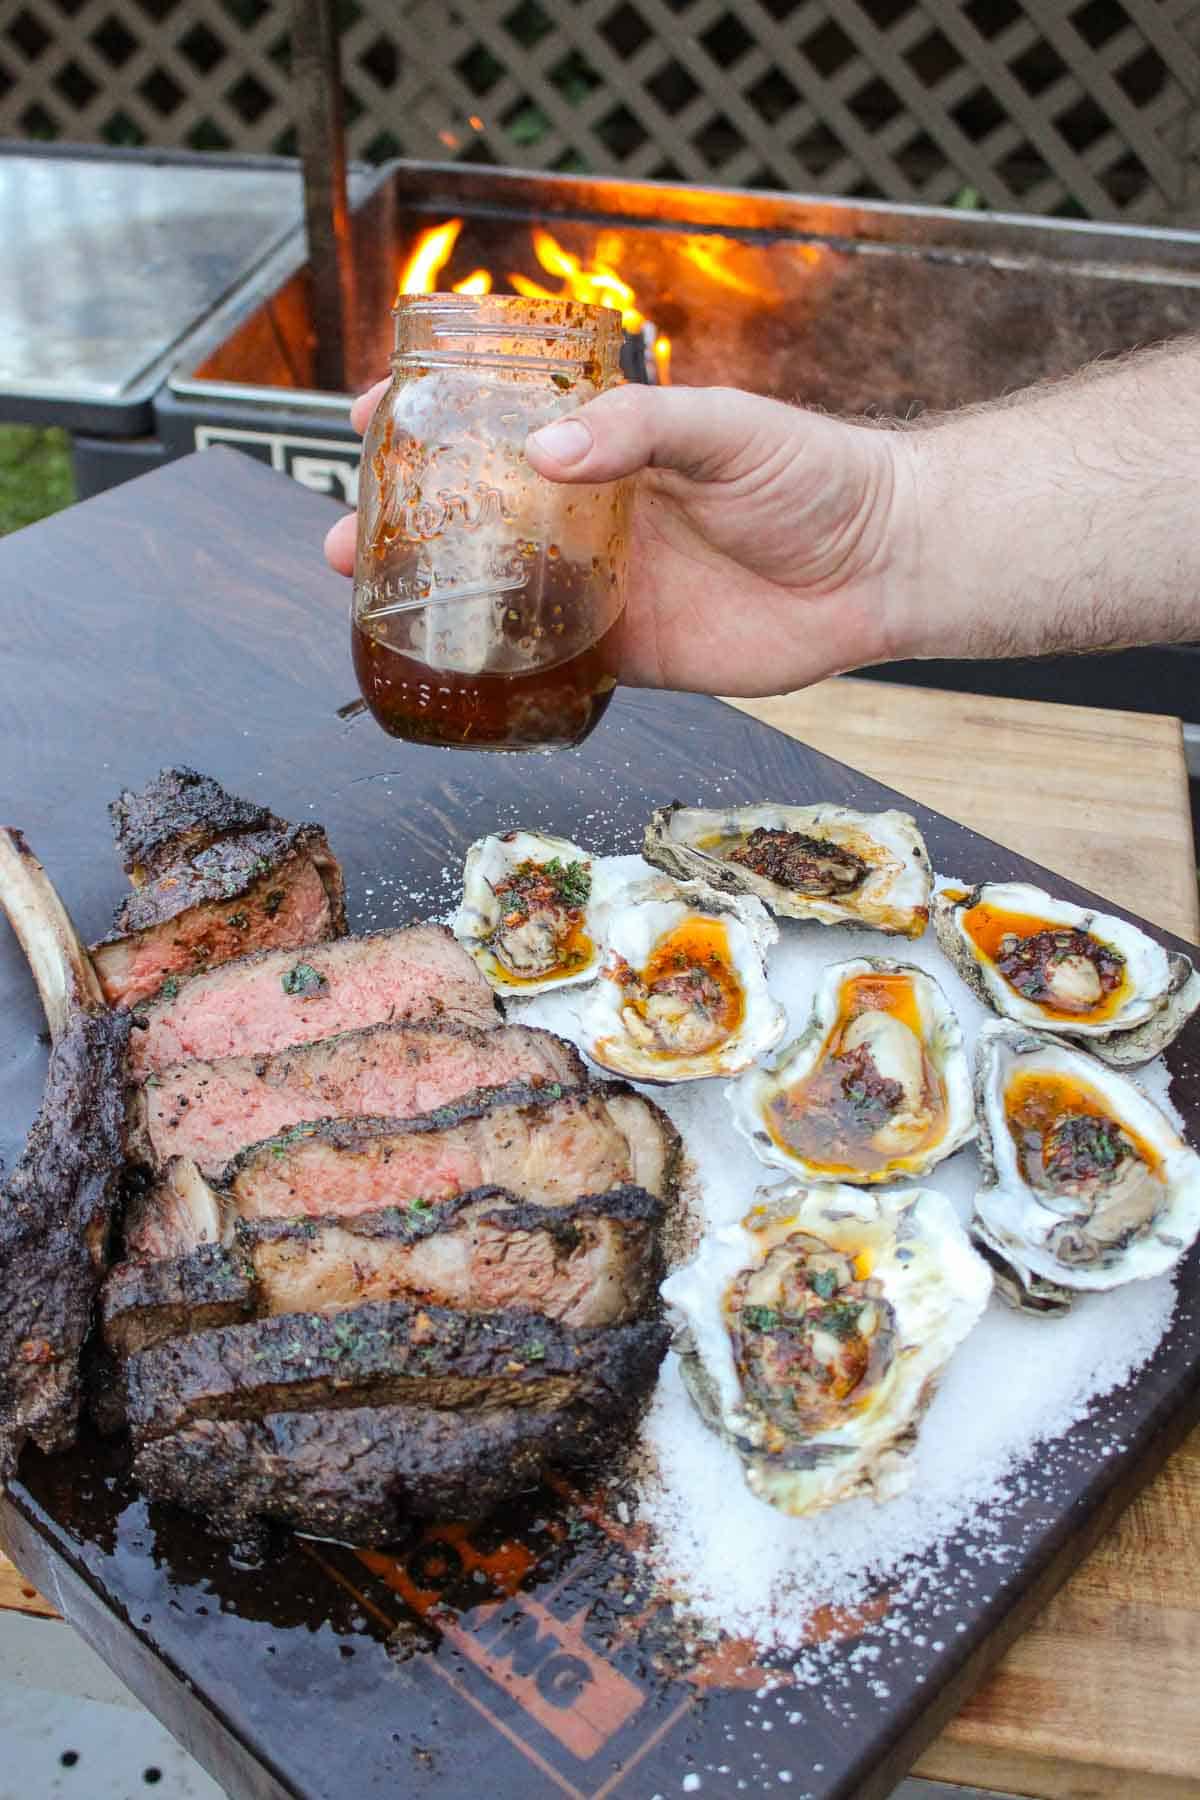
x=707, y=434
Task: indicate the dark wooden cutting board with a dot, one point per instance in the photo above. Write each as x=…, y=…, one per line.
x=187, y=617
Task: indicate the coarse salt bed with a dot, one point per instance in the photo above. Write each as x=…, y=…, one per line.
x=753, y=1572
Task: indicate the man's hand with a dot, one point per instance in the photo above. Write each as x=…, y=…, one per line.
x=770, y=546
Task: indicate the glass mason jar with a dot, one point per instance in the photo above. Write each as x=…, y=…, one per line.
x=486, y=598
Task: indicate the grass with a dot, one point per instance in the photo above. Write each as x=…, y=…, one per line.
x=35, y=474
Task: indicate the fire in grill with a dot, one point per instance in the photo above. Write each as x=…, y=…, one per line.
x=855, y=307
x=594, y=282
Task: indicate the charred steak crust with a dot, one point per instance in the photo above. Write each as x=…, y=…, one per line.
x=405, y=1224
x=411, y=974
x=356, y=1130
x=144, y=1303
x=55, y=1222
x=362, y=1473
x=208, y=1109
x=352, y=1131
x=176, y=814
x=229, y=870
x=388, y=1353
x=408, y=1225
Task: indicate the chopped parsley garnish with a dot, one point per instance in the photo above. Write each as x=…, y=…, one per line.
x=169, y=988
x=302, y=980
x=760, y=1318
x=541, y=884
x=572, y=880
x=823, y=1282
x=293, y=1136
x=347, y=1338
x=534, y=1350
x=239, y=920
x=273, y=902
x=841, y=1318
x=420, y=1206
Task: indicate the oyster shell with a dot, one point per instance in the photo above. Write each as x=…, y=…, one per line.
x=877, y=1086
x=527, y=912
x=812, y=1335
x=1087, y=1184
x=683, y=989
x=806, y=862
x=1046, y=963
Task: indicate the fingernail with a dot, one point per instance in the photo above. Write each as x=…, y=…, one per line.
x=566, y=441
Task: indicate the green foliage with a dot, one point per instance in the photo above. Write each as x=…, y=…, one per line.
x=35, y=475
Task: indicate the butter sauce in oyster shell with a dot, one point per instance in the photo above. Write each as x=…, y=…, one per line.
x=682, y=993
x=877, y=1086
x=1058, y=967
x=1086, y=1183
x=812, y=1335
x=527, y=912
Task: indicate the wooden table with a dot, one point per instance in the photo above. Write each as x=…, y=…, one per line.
x=1100, y=1697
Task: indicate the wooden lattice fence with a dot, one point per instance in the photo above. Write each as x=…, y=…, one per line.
x=1087, y=109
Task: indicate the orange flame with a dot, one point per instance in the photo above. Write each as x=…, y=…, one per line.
x=597, y=283
x=479, y=281
x=430, y=254
x=708, y=255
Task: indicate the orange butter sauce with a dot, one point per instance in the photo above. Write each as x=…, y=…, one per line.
x=815, y=1119
x=1034, y=1100
x=698, y=942
x=575, y=951
x=987, y=926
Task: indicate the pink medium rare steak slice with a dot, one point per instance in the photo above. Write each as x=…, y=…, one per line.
x=214, y=878
x=261, y=1003
x=208, y=1110
x=256, y=892
x=594, y=1262
x=546, y=1144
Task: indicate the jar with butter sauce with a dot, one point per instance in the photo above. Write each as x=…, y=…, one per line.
x=486, y=598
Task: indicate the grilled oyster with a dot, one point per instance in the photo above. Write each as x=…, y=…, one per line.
x=1086, y=1182
x=683, y=988
x=877, y=1086
x=526, y=912
x=806, y=862
x=1046, y=963
x=812, y=1335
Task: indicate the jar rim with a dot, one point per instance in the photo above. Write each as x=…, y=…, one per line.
x=552, y=316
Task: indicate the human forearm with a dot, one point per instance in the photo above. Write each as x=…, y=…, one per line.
x=1066, y=517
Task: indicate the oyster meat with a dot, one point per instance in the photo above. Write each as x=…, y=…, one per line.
x=1087, y=1184
x=877, y=1086
x=1046, y=963
x=527, y=912
x=806, y=862
x=683, y=988
x=812, y=1335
